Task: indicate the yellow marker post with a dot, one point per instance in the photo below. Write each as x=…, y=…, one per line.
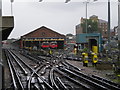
x=75, y=51
x=85, y=59
x=95, y=49
x=94, y=60
x=50, y=52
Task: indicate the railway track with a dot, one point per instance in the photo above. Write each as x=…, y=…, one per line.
x=31, y=80
x=54, y=73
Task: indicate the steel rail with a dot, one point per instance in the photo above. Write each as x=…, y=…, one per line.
x=23, y=69
x=75, y=67
x=73, y=80
x=15, y=73
x=36, y=86
x=52, y=81
x=29, y=81
x=42, y=87
x=12, y=74
x=35, y=73
x=112, y=85
x=36, y=59
x=30, y=57
x=24, y=62
x=96, y=85
x=37, y=70
x=30, y=78
x=44, y=70
x=98, y=79
x=61, y=83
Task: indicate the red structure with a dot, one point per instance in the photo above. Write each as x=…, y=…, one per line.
x=45, y=45
x=40, y=36
x=53, y=45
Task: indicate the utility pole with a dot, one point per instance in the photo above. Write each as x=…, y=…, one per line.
x=119, y=26
x=86, y=14
x=108, y=21
x=1, y=65
x=119, y=21
x=86, y=4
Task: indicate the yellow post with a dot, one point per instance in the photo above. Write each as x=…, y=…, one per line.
x=50, y=52
x=95, y=49
x=75, y=51
x=85, y=59
x=94, y=59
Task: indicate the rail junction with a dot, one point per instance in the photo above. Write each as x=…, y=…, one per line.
x=50, y=72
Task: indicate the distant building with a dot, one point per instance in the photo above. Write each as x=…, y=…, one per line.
x=70, y=39
x=93, y=38
x=79, y=29
x=102, y=26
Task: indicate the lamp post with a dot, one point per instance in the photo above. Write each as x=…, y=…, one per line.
x=40, y=0
x=67, y=1
x=12, y=6
x=86, y=2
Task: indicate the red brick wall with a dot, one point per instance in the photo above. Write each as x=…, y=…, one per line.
x=43, y=32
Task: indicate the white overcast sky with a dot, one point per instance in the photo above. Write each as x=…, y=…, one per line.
x=55, y=14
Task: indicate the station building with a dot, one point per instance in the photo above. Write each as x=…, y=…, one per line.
x=93, y=41
x=40, y=35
